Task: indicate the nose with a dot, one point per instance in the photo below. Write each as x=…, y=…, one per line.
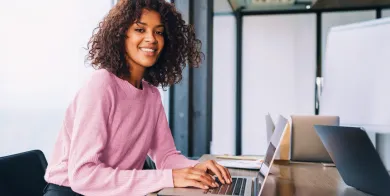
x=150, y=38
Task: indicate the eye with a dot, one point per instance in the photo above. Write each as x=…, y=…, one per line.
x=140, y=30
x=160, y=32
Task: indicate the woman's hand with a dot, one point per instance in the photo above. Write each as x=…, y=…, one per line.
x=194, y=177
x=213, y=168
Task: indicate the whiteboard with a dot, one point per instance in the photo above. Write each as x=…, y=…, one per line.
x=356, y=74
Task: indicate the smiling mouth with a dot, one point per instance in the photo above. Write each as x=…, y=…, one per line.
x=148, y=51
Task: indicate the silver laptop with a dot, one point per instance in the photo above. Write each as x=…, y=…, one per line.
x=241, y=185
x=269, y=126
x=306, y=145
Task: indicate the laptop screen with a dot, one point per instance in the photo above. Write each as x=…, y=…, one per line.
x=273, y=146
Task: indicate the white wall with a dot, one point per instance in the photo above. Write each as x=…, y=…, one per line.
x=278, y=72
x=42, y=66
x=224, y=85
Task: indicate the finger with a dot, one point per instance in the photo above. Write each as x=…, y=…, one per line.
x=197, y=184
x=201, y=172
x=211, y=172
x=224, y=172
x=228, y=172
x=212, y=166
x=207, y=175
x=204, y=178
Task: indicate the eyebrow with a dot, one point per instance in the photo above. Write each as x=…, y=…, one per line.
x=160, y=25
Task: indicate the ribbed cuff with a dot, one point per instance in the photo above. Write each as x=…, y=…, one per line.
x=167, y=178
x=193, y=162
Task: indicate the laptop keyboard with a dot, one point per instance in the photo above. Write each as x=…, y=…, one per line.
x=237, y=187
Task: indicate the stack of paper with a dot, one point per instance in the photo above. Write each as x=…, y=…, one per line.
x=241, y=164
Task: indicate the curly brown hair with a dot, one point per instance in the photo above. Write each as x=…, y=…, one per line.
x=107, y=46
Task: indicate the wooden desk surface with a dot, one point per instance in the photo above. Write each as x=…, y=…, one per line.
x=299, y=179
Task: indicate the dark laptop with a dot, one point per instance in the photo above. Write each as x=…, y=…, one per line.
x=356, y=158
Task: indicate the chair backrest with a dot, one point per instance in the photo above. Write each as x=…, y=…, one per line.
x=149, y=164
x=23, y=173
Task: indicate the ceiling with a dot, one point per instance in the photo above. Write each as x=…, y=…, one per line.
x=225, y=6
x=222, y=6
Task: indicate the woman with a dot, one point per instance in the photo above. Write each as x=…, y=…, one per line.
x=117, y=119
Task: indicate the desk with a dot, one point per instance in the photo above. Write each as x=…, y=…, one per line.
x=299, y=179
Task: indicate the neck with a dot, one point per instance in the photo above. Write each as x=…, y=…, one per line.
x=136, y=75
x=135, y=82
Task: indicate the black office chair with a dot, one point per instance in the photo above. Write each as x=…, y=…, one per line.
x=22, y=174
x=149, y=164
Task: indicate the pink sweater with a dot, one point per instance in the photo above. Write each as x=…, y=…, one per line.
x=109, y=130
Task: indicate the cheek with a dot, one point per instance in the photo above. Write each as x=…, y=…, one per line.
x=162, y=43
x=131, y=45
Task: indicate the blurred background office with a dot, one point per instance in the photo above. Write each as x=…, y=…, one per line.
x=261, y=56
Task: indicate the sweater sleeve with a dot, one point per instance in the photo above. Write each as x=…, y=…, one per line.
x=88, y=175
x=163, y=150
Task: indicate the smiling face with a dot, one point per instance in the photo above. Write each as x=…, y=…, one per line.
x=145, y=40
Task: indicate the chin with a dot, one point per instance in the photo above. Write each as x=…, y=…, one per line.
x=146, y=65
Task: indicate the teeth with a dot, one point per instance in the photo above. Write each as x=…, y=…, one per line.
x=147, y=49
